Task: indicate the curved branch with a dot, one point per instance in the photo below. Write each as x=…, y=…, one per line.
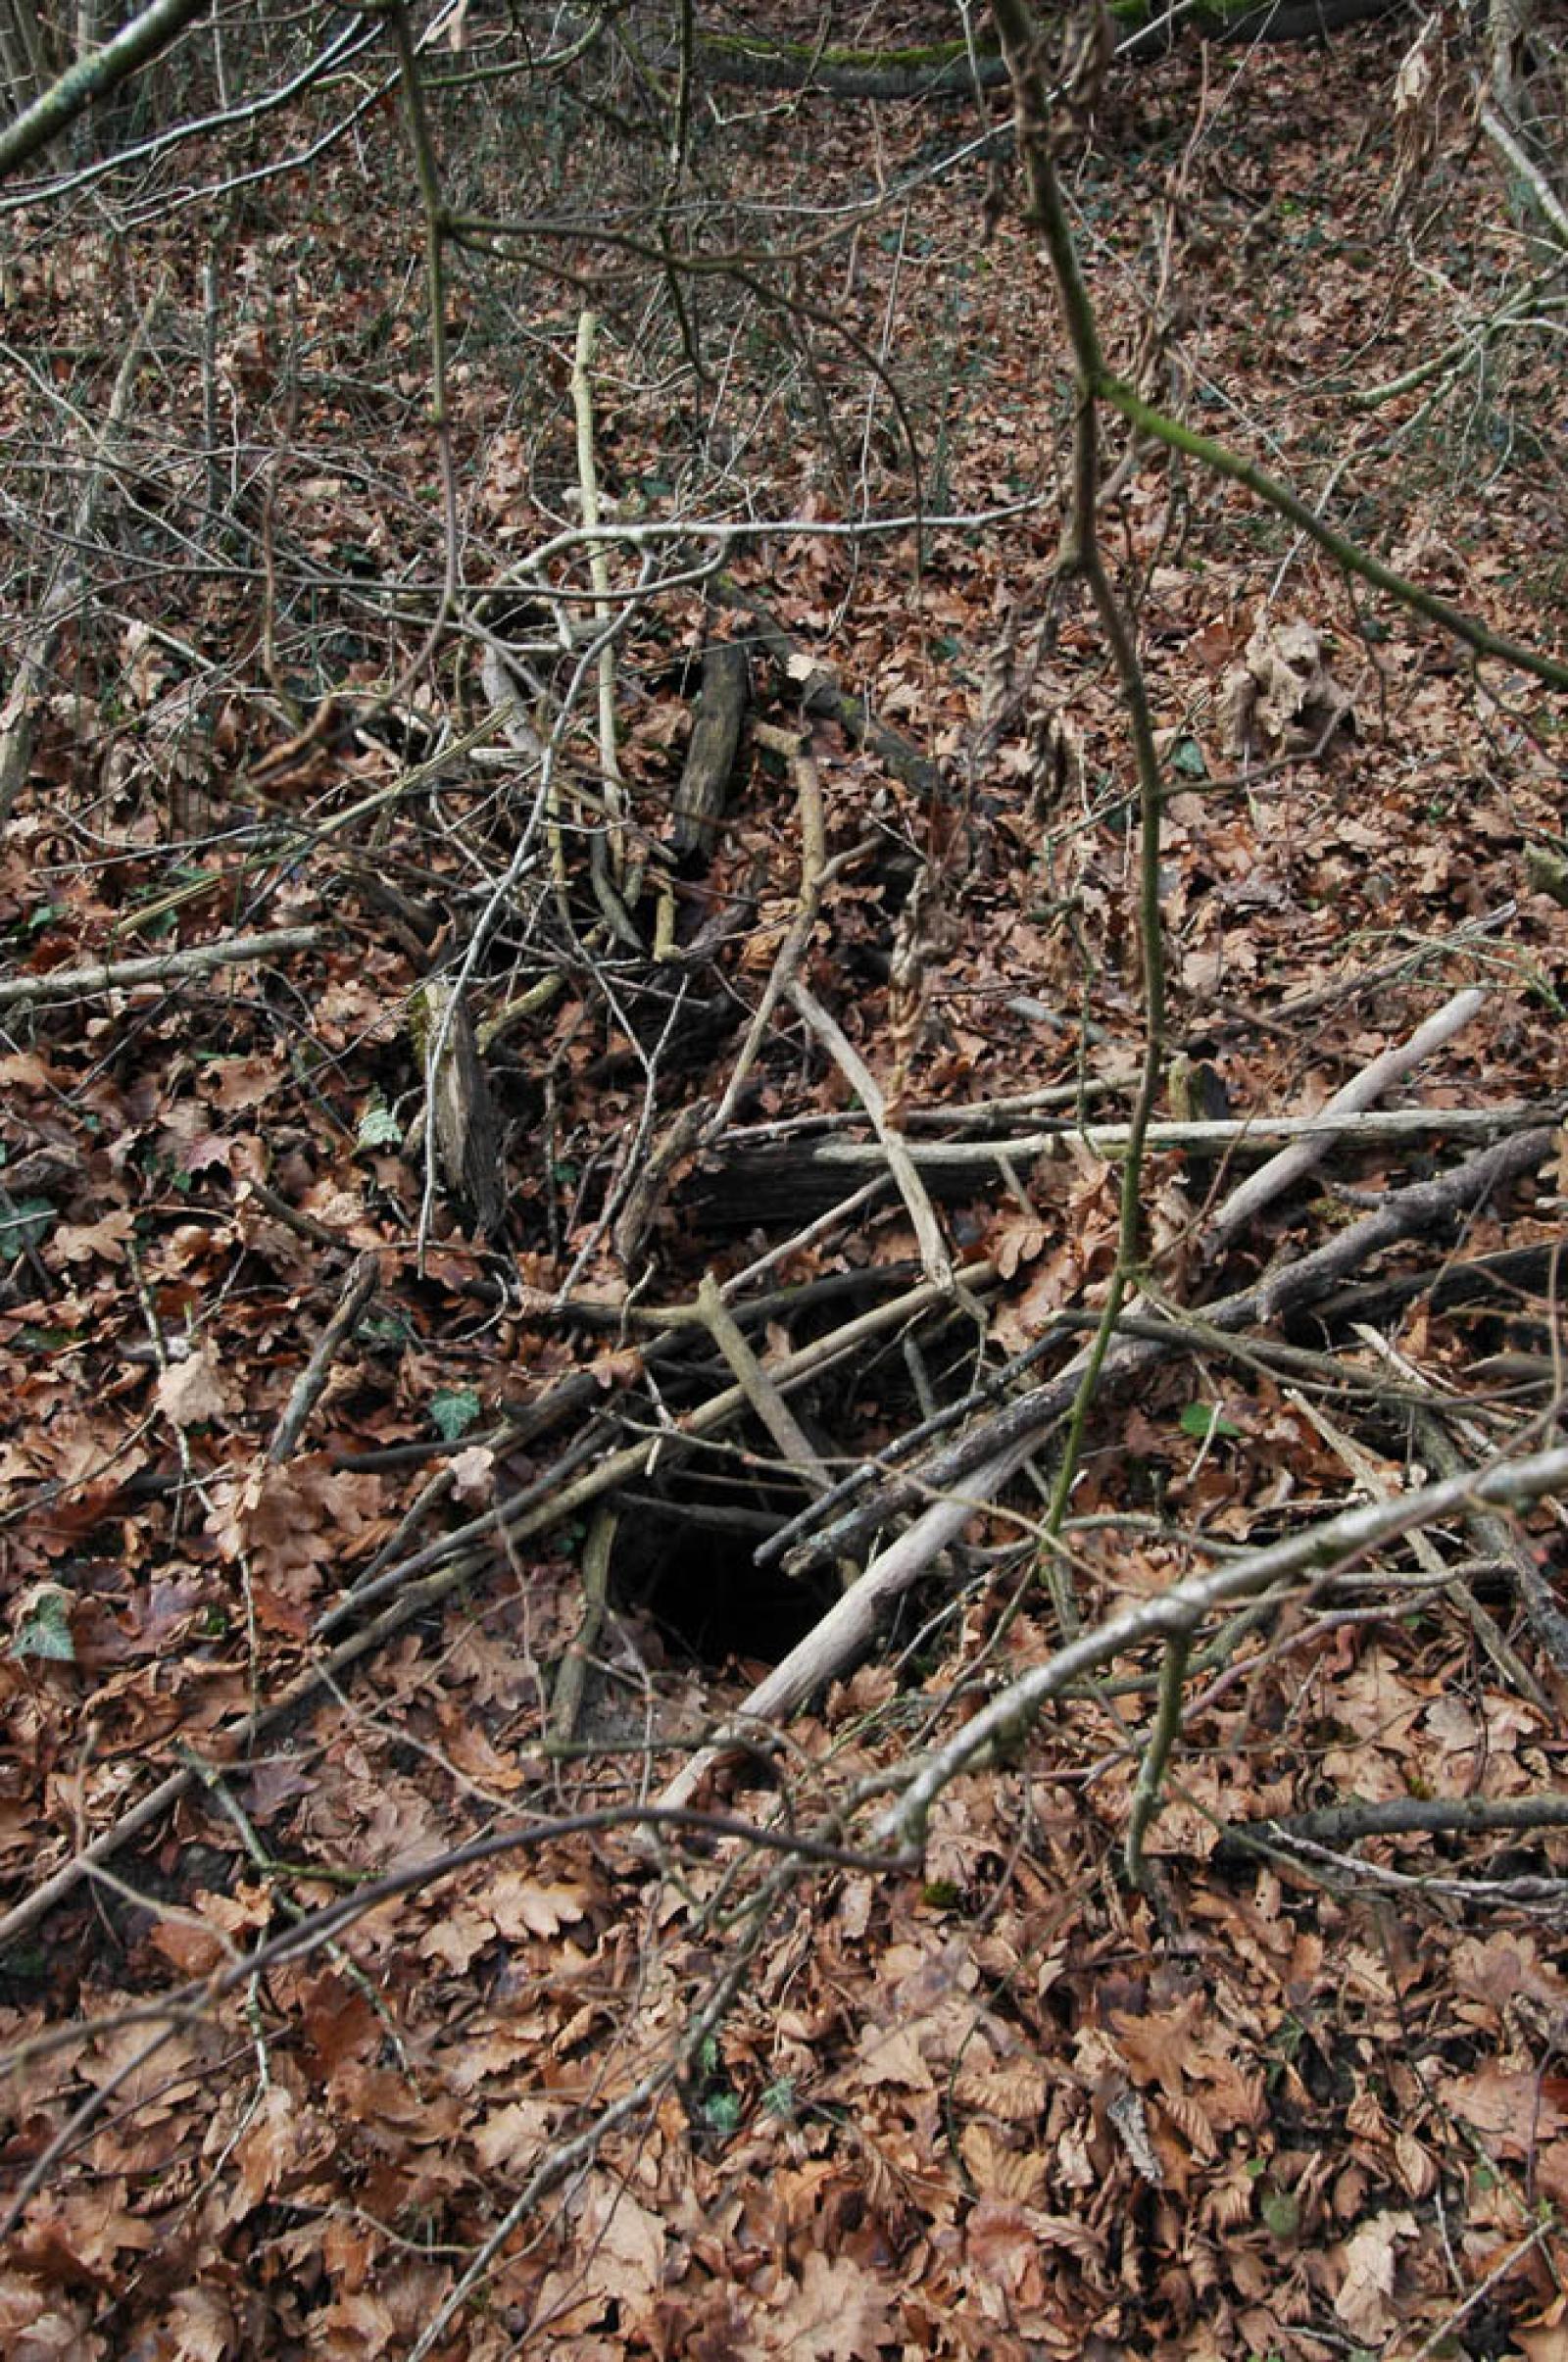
x=1328, y=1550
x=1274, y=495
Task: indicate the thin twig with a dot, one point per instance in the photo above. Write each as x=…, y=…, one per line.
x=934, y=1261
x=358, y=1292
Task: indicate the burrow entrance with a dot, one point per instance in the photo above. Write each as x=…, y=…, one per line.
x=683, y=1562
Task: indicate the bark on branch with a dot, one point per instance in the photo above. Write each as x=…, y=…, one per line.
x=91, y=77
x=158, y=967
x=1337, y=1544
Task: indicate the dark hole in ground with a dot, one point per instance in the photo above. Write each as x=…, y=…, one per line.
x=683, y=1559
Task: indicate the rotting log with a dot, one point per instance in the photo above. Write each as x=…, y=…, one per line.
x=947, y=68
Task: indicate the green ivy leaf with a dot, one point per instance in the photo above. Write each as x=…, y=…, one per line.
x=28, y=1224
x=378, y=1128
x=455, y=1413
x=722, y=2111
x=45, y=1627
x=1206, y=1419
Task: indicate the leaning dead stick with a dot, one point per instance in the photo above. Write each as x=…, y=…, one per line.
x=794, y=747
x=934, y=1258
x=572, y=1676
x=754, y=1382
x=800, y=1453
x=359, y=1290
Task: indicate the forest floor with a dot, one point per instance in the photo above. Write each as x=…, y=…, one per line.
x=305, y=1479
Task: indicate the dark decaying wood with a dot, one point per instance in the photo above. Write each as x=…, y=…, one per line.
x=820, y=693
x=703, y=795
x=467, y=1135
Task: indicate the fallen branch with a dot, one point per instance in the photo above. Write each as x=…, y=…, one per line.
x=1353, y=1099
x=1206, y=1137
x=91, y=77
x=852, y=1623
x=1144, y=29
x=1327, y=1549
x=1508, y=1272
x=1399, y=1816
x=158, y=967
x=1505, y=140
x=1025, y=1424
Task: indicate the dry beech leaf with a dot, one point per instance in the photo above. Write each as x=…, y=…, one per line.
x=1415, y=2165
x=1003, y=2172
x=195, y=1391
x=1365, y=2300
x=521, y=1906
x=1016, y=2093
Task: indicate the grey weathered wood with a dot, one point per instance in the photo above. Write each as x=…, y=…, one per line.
x=703, y=795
